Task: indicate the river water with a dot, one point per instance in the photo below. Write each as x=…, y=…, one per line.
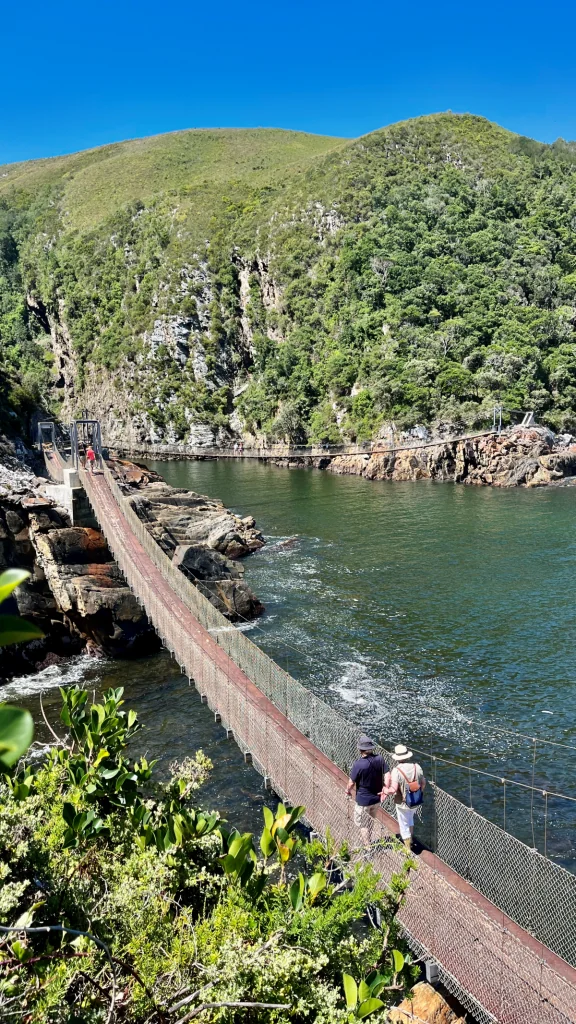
x=432, y=614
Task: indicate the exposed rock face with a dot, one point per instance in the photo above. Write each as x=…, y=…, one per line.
x=528, y=457
x=33, y=599
x=200, y=534
x=76, y=593
x=427, y=1006
x=219, y=579
x=177, y=516
x=89, y=589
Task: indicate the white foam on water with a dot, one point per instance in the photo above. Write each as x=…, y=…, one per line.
x=350, y=696
x=246, y=627
x=67, y=674
x=356, y=684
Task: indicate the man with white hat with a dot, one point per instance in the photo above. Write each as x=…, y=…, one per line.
x=406, y=784
x=367, y=775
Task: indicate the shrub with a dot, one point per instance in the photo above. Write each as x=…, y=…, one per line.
x=158, y=907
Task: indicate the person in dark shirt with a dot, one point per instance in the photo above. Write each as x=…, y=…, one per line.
x=367, y=774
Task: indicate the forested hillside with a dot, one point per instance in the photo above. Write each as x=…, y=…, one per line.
x=288, y=285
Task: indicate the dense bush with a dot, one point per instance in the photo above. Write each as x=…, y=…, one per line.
x=423, y=272
x=446, y=285
x=24, y=364
x=185, y=910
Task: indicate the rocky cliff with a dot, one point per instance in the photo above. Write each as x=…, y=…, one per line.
x=530, y=457
x=76, y=593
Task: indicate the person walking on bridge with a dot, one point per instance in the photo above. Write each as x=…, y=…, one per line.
x=406, y=784
x=367, y=775
x=90, y=457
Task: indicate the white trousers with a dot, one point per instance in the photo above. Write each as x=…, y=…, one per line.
x=405, y=821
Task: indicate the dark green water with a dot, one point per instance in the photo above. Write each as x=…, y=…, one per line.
x=434, y=614
x=175, y=724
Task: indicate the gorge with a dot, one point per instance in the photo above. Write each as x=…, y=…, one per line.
x=266, y=284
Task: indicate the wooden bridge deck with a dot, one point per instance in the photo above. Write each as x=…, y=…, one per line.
x=499, y=970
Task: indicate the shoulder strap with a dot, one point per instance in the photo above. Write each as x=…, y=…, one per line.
x=405, y=776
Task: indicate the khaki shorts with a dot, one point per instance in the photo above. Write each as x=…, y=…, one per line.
x=362, y=814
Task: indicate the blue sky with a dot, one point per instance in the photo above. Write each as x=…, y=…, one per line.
x=80, y=75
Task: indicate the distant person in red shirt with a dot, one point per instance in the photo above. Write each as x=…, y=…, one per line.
x=90, y=457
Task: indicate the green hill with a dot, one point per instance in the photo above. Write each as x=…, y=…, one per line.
x=94, y=185
x=290, y=284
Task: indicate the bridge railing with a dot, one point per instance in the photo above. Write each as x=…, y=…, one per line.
x=528, y=887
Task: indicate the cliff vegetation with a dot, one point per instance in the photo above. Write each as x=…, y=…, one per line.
x=292, y=286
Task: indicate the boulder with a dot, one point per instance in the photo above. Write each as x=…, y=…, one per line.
x=201, y=563
x=233, y=599
x=76, y=544
x=219, y=579
x=427, y=1006
x=203, y=537
x=89, y=590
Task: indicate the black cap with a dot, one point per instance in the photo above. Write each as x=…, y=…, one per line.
x=365, y=743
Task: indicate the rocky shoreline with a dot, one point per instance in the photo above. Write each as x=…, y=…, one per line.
x=199, y=534
x=77, y=595
x=519, y=457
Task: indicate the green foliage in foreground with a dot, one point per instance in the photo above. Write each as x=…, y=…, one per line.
x=186, y=912
x=16, y=725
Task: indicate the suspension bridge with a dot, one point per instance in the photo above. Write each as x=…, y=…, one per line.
x=496, y=917
x=299, y=453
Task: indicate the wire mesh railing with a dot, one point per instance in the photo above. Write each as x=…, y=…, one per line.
x=532, y=890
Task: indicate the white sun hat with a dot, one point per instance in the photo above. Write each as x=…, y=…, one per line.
x=401, y=753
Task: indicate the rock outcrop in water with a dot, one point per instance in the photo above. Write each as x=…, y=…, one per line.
x=530, y=457
x=201, y=536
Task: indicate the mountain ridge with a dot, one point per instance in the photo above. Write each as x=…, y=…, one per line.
x=276, y=283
